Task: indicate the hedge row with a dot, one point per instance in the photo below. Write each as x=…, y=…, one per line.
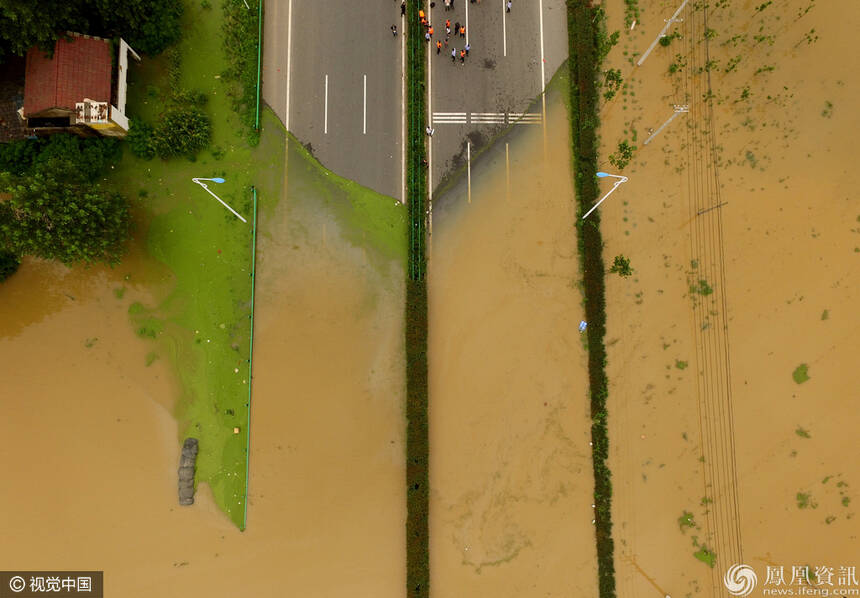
x=586, y=32
x=417, y=449
x=241, y=42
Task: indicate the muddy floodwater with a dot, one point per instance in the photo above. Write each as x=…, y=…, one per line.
x=510, y=465
x=90, y=447
x=713, y=440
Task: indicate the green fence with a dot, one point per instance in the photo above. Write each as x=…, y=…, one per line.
x=250, y=361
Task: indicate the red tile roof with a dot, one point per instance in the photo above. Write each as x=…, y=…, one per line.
x=80, y=68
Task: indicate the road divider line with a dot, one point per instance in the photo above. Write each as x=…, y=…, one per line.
x=364, y=110
x=325, y=118
x=429, y=142
x=289, y=57
x=469, y=170
x=507, y=172
x=504, y=30
x=466, y=2
x=542, y=78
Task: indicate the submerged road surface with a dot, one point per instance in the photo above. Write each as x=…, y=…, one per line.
x=332, y=72
x=512, y=57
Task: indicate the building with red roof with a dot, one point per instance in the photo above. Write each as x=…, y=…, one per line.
x=79, y=89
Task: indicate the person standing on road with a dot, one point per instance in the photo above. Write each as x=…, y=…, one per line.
x=448, y=26
x=467, y=48
x=508, y=6
x=456, y=28
x=403, y=9
x=462, y=56
x=427, y=36
x=462, y=31
x=438, y=47
x=430, y=30
x=394, y=30
x=453, y=54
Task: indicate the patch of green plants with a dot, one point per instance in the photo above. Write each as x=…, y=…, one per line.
x=622, y=156
x=150, y=358
x=681, y=365
x=686, y=520
x=828, y=109
x=631, y=12
x=802, y=432
x=767, y=68
x=678, y=64
x=805, y=501
x=732, y=64
x=763, y=5
x=89, y=343
x=612, y=81
x=666, y=40
x=621, y=266
x=701, y=287
x=801, y=373
x=706, y=555
x=240, y=35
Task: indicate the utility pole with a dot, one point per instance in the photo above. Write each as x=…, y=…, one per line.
x=679, y=109
x=669, y=22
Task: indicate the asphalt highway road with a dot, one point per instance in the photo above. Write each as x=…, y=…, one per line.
x=501, y=78
x=332, y=72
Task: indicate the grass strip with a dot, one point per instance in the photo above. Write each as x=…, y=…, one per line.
x=417, y=455
x=586, y=35
x=242, y=42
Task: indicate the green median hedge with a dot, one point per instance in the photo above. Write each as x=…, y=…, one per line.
x=586, y=31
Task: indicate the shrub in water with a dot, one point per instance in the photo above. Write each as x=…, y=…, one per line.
x=182, y=131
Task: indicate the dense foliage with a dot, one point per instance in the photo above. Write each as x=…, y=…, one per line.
x=55, y=214
x=149, y=26
x=139, y=139
x=89, y=157
x=9, y=263
x=181, y=131
x=51, y=205
x=417, y=431
x=241, y=39
x=587, y=47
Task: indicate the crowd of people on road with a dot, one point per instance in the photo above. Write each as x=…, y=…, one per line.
x=458, y=30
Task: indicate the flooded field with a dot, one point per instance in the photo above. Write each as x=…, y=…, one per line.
x=90, y=445
x=742, y=228
x=510, y=471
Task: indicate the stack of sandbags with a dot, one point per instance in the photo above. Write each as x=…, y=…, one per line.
x=186, y=471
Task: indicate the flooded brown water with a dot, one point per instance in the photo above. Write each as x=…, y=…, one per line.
x=90, y=447
x=789, y=235
x=510, y=464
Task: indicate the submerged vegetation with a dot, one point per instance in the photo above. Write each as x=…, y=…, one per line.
x=417, y=449
x=801, y=373
x=586, y=35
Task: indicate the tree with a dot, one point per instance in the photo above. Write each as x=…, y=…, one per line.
x=54, y=213
x=9, y=263
x=621, y=266
x=148, y=25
